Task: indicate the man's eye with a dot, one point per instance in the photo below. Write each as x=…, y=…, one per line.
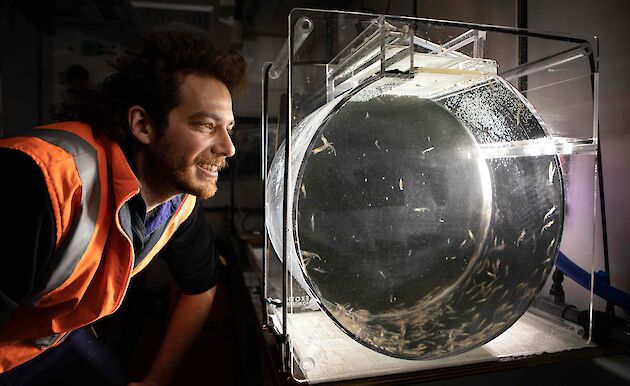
x=205, y=126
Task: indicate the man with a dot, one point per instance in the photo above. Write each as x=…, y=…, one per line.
x=89, y=203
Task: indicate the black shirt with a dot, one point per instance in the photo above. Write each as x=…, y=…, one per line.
x=27, y=238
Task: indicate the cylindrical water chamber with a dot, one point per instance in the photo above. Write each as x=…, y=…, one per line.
x=424, y=227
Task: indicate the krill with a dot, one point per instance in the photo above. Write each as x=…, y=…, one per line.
x=499, y=247
x=521, y=237
x=550, y=246
x=308, y=256
x=326, y=145
x=553, y=209
x=546, y=226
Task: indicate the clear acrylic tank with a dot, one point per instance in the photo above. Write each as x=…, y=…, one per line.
x=426, y=197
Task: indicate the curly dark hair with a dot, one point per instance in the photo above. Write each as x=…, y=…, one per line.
x=148, y=74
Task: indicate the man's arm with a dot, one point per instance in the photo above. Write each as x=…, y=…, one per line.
x=189, y=316
x=195, y=267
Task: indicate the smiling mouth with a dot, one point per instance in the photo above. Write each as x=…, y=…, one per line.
x=212, y=169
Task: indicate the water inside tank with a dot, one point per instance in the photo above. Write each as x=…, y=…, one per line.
x=415, y=240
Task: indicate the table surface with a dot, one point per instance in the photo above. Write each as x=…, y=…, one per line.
x=323, y=353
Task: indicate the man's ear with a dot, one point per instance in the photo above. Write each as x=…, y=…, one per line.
x=138, y=120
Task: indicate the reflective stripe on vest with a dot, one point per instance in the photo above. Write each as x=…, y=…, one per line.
x=72, y=248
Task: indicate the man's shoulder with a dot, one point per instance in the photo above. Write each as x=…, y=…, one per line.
x=80, y=129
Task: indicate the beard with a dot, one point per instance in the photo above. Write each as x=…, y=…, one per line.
x=171, y=170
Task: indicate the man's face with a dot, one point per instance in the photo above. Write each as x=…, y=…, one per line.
x=196, y=141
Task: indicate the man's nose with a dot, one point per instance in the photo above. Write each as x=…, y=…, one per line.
x=223, y=144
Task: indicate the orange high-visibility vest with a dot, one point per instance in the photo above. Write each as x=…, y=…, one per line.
x=88, y=180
